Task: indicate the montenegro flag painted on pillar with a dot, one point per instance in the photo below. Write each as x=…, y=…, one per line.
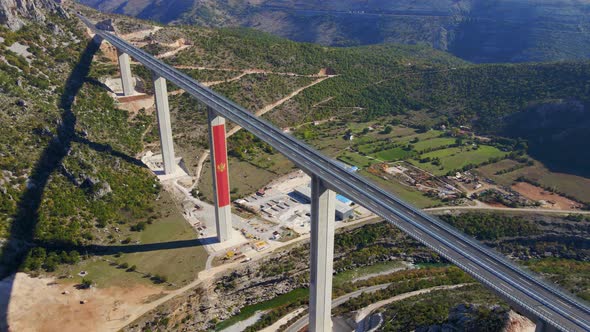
x=221, y=169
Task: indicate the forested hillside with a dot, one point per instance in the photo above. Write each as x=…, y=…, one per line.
x=475, y=30
x=394, y=79
x=402, y=81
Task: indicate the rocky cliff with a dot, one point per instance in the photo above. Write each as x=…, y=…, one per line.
x=14, y=13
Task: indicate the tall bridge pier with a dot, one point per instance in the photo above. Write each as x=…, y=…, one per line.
x=323, y=205
x=162, y=108
x=220, y=171
x=164, y=124
x=126, y=76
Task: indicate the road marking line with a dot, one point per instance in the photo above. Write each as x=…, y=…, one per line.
x=545, y=310
x=565, y=304
x=489, y=260
x=526, y=282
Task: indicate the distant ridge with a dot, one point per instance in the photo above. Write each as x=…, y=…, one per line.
x=479, y=31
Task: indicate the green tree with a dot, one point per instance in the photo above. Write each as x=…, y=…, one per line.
x=86, y=283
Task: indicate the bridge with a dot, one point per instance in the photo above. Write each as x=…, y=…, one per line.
x=549, y=307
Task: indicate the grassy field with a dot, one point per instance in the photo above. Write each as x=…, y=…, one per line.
x=393, y=154
x=356, y=159
x=248, y=311
x=103, y=274
x=332, y=146
x=431, y=134
x=403, y=135
x=433, y=143
x=456, y=158
x=572, y=185
x=402, y=131
x=179, y=265
x=408, y=194
x=451, y=158
x=489, y=171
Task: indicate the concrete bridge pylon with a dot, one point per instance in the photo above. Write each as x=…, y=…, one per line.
x=323, y=210
x=126, y=76
x=164, y=123
x=220, y=171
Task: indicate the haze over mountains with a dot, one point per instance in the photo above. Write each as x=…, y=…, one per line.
x=475, y=30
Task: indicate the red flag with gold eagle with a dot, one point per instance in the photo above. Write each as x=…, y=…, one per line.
x=221, y=171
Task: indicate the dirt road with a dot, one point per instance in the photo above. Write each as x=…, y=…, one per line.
x=204, y=156
x=255, y=71
x=172, y=53
x=302, y=322
x=274, y=105
x=363, y=313
x=492, y=208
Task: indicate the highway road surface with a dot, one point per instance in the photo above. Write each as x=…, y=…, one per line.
x=531, y=296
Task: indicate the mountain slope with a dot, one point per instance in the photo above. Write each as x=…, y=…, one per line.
x=67, y=166
x=475, y=30
x=420, y=86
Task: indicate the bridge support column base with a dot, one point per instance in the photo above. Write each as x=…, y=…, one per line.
x=220, y=171
x=322, y=255
x=164, y=124
x=126, y=76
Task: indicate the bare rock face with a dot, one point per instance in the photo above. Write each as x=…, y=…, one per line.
x=106, y=25
x=102, y=190
x=14, y=13
x=96, y=188
x=518, y=323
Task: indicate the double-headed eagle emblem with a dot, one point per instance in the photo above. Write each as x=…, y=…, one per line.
x=221, y=167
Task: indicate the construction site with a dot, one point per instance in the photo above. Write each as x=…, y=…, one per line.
x=410, y=175
x=284, y=206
